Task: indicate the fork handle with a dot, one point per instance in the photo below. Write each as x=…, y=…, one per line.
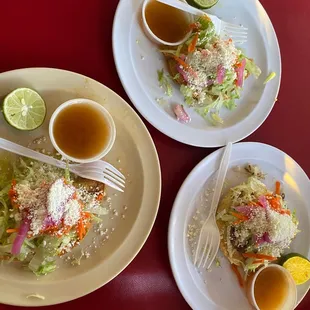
x=220, y=178
x=24, y=151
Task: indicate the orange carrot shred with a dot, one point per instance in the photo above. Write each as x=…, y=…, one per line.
x=278, y=188
x=100, y=197
x=274, y=203
x=12, y=230
x=193, y=26
x=259, y=256
x=193, y=44
x=237, y=273
x=181, y=62
x=13, y=194
x=285, y=211
x=240, y=216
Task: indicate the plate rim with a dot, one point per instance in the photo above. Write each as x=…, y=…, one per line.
x=173, y=214
x=180, y=138
x=136, y=227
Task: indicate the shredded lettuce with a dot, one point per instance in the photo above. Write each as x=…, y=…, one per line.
x=227, y=218
x=294, y=218
x=41, y=264
x=38, y=296
x=175, y=52
x=205, y=23
x=37, y=254
x=4, y=217
x=4, y=249
x=250, y=266
x=252, y=68
x=46, y=268
x=270, y=77
x=67, y=173
x=208, y=100
x=164, y=82
x=188, y=94
x=248, y=191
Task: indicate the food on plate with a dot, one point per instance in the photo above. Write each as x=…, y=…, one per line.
x=167, y=23
x=298, y=266
x=180, y=113
x=203, y=4
x=45, y=212
x=255, y=224
x=164, y=82
x=24, y=109
x=270, y=77
x=210, y=70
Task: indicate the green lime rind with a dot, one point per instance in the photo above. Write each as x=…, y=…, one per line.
x=202, y=4
x=24, y=109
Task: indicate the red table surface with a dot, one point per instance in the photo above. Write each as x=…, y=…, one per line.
x=76, y=35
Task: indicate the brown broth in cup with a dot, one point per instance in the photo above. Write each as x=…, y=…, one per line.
x=271, y=289
x=81, y=131
x=167, y=23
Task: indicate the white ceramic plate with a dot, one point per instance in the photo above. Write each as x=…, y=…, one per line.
x=137, y=61
x=135, y=210
x=219, y=289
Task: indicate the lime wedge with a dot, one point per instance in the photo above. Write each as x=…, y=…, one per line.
x=24, y=109
x=202, y=4
x=299, y=268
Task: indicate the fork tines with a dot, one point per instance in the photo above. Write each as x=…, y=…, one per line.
x=238, y=33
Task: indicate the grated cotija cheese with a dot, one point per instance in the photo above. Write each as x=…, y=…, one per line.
x=279, y=227
x=205, y=63
x=49, y=204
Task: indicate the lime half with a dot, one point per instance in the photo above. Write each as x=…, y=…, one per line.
x=203, y=4
x=299, y=268
x=24, y=109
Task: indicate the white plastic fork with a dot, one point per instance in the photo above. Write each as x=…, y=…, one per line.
x=225, y=30
x=209, y=237
x=99, y=170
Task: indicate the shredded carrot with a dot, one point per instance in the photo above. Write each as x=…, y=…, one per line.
x=285, y=211
x=253, y=204
x=274, y=203
x=181, y=62
x=100, y=197
x=193, y=26
x=259, y=256
x=236, y=271
x=83, y=224
x=66, y=229
x=258, y=261
x=278, y=188
x=52, y=230
x=12, y=230
x=81, y=229
x=86, y=215
x=5, y=258
x=13, y=194
x=193, y=44
x=240, y=216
